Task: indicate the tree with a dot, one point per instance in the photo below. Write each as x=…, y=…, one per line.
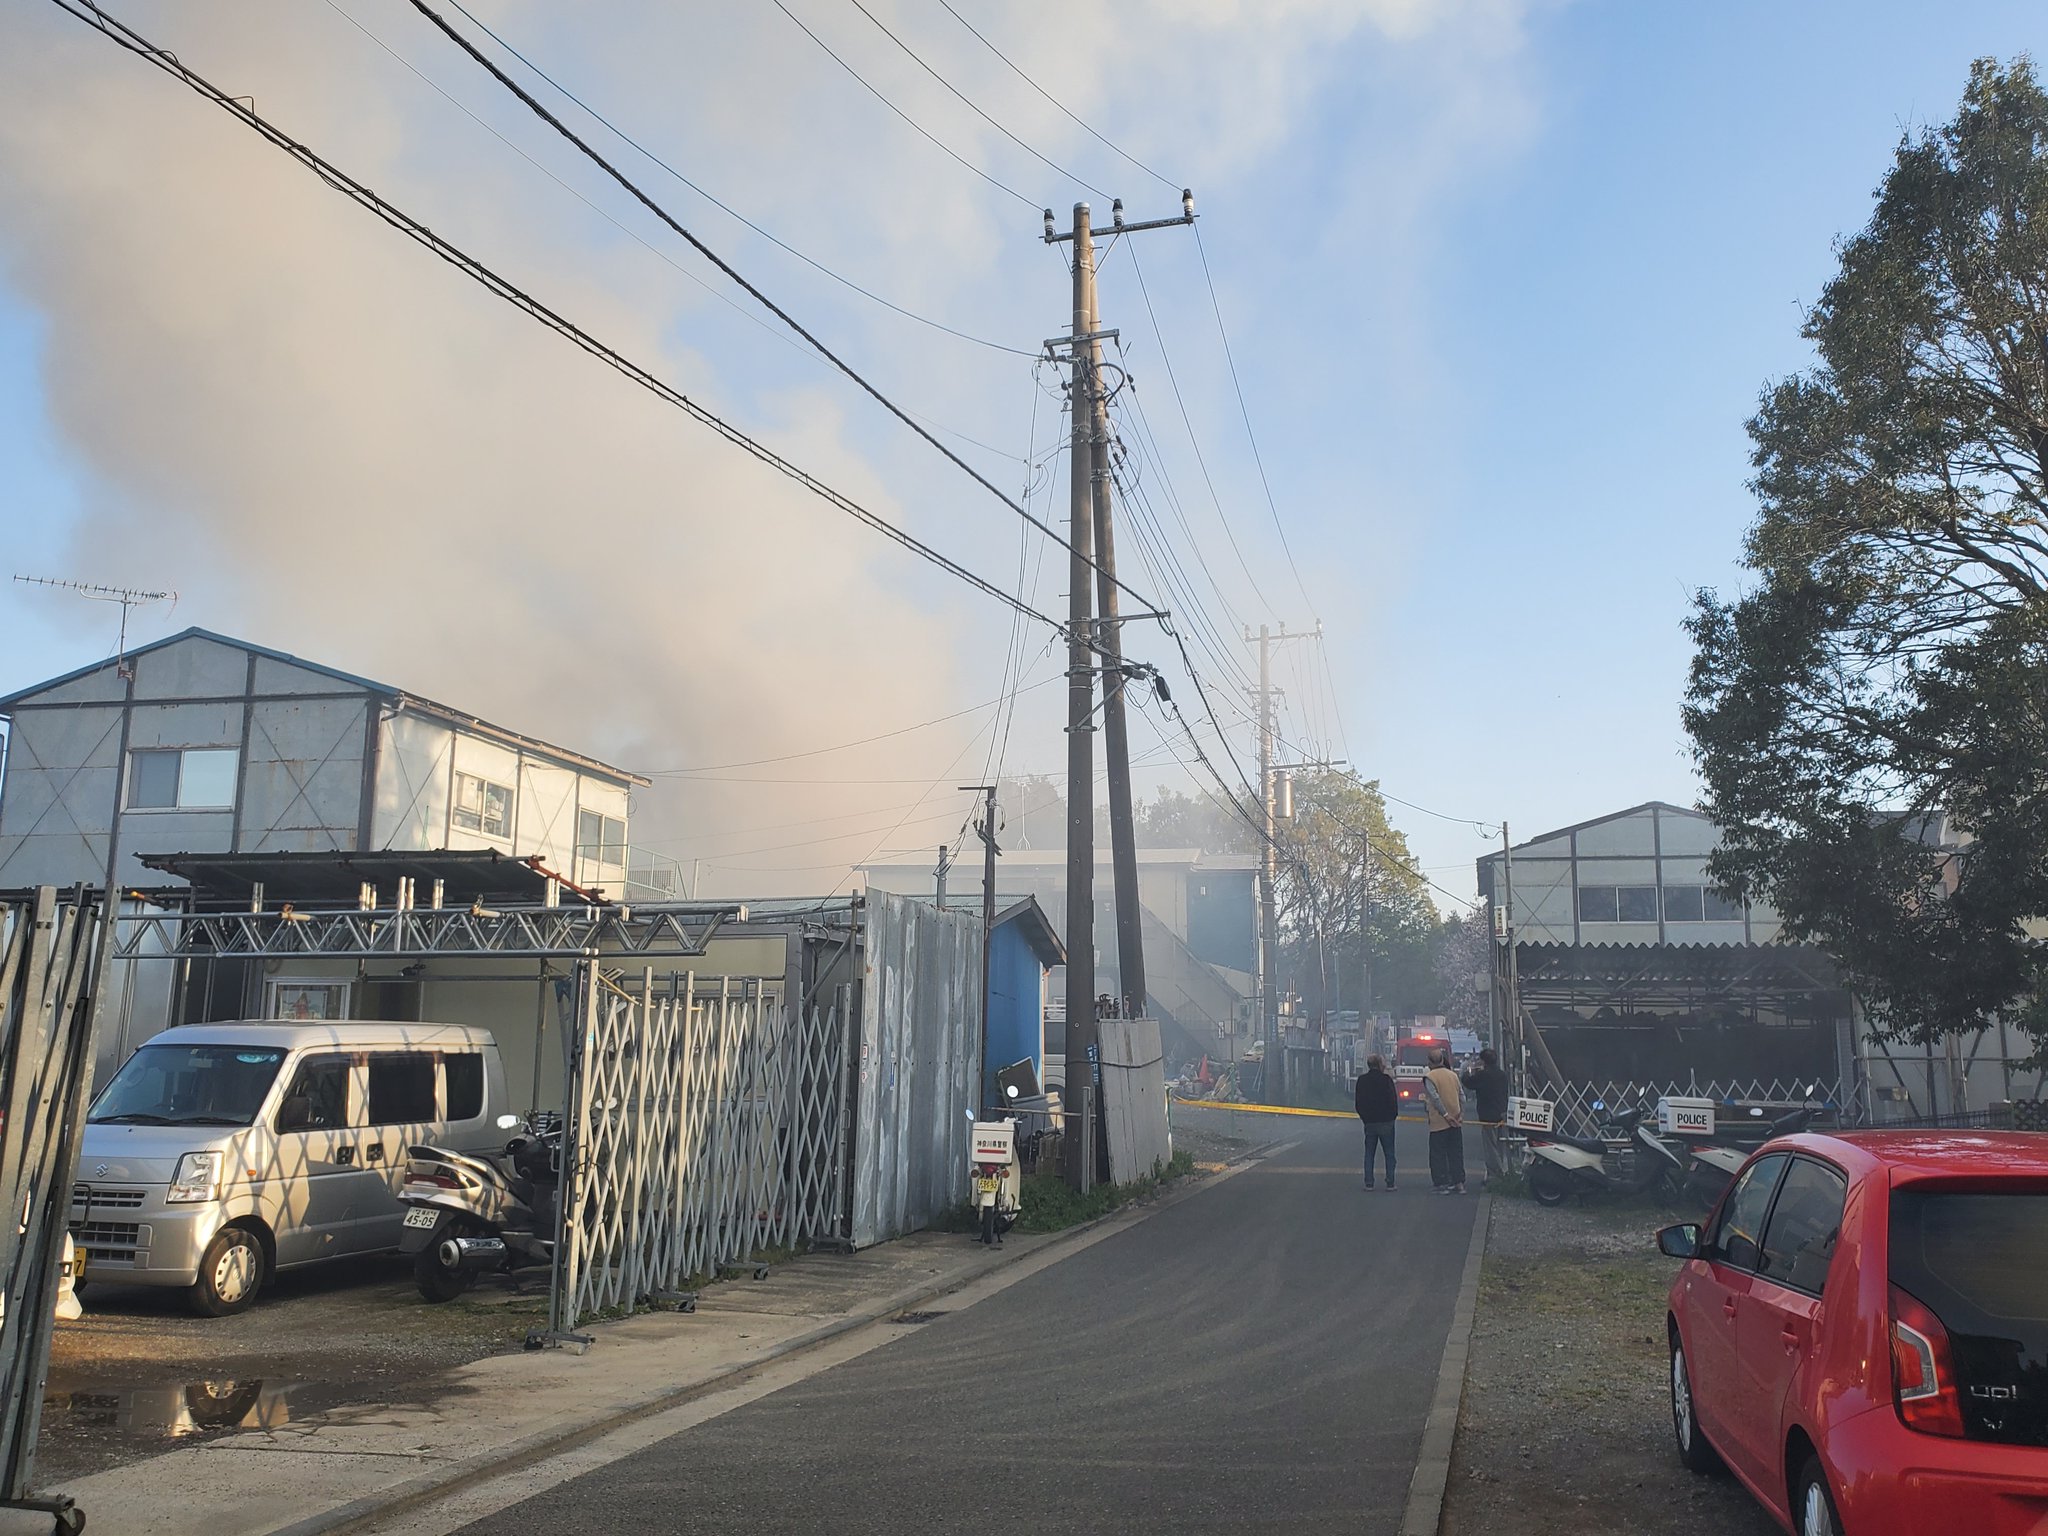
x=1461, y=959
x=1891, y=662
x=1174, y=820
x=1331, y=893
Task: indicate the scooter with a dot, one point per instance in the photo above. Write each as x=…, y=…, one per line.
x=1635, y=1161
x=1715, y=1163
x=467, y=1216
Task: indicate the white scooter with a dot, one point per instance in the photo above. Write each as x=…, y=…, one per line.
x=1635, y=1161
x=1715, y=1163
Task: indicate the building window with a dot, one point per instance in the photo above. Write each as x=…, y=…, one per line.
x=294, y=999
x=1722, y=909
x=182, y=778
x=1617, y=903
x=1684, y=904
x=600, y=839
x=481, y=806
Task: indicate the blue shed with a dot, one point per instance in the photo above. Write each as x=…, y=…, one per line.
x=1022, y=948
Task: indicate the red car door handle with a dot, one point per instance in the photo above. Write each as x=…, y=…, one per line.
x=1790, y=1336
x=1728, y=1307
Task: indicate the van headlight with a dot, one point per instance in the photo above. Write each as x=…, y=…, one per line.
x=197, y=1177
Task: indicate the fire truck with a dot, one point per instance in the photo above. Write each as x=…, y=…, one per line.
x=1419, y=1042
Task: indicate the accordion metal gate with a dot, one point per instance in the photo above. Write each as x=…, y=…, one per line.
x=707, y=1123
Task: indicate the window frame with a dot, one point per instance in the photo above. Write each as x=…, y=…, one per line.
x=1698, y=892
x=179, y=778
x=482, y=826
x=447, y=1086
x=1614, y=905
x=1717, y=1249
x=1793, y=1161
x=1621, y=892
x=349, y=1105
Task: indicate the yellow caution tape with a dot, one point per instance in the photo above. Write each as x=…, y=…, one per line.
x=1266, y=1109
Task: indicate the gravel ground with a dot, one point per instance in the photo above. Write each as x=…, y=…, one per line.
x=139, y=1371
x=1567, y=1420
x=1210, y=1149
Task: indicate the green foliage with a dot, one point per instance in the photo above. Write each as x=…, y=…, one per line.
x=1891, y=662
x=1173, y=820
x=1049, y=1205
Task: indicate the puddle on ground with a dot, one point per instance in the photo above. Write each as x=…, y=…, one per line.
x=171, y=1411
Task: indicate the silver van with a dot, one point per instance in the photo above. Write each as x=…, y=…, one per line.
x=220, y=1154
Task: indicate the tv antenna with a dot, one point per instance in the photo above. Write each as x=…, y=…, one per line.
x=127, y=597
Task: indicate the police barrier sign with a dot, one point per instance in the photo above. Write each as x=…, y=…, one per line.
x=1529, y=1114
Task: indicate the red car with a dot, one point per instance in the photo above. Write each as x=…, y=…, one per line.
x=1860, y=1333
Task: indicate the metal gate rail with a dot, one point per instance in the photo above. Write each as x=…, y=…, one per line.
x=705, y=1125
x=52, y=965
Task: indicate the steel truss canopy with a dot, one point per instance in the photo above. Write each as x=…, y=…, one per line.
x=290, y=905
x=1677, y=977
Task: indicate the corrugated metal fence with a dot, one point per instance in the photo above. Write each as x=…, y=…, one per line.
x=920, y=1027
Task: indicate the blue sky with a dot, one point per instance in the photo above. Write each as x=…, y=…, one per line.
x=1503, y=282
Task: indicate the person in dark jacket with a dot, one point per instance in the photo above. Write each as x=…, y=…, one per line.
x=1489, y=1085
x=1379, y=1108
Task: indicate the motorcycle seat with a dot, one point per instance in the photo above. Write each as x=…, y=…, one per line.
x=1583, y=1143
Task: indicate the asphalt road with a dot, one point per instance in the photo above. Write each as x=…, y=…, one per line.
x=1260, y=1357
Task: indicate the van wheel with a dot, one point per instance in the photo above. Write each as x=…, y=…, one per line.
x=1548, y=1185
x=437, y=1281
x=231, y=1273
x=1693, y=1448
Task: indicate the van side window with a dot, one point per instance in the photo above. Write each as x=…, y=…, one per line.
x=465, y=1086
x=401, y=1088
x=318, y=1097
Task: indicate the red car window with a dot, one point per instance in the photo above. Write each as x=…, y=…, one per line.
x=1805, y=1221
x=1977, y=1261
x=1738, y=1239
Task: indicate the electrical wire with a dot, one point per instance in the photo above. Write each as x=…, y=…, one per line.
x=539, y=110
x=790, y=757
x=1051, y=165
x=1244, y=410
x=1017, y=70
x=951, y=153
x=732, y=212
x=126, y=37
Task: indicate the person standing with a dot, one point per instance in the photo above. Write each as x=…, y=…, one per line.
x=1446, y=1100
x=1489, y=1084
x=1379, y=1110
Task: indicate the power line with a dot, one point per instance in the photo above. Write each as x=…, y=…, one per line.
x=1017, y=70
x=539, y=110
x=1031, y=203
x=970, y=105
x=790, y=757
x=1244, y=410
x=357, y=192
x=726, y=208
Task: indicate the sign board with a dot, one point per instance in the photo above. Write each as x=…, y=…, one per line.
x=1685, y=1117
x=1530, y=1114
x=995, y=1141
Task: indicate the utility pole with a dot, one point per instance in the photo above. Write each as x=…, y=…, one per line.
x=1365, y=934
x=945, y=866
x=987, y=831
x=1088, y=507
x=1267, y=982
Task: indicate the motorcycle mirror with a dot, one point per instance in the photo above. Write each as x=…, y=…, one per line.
x=506, y=1122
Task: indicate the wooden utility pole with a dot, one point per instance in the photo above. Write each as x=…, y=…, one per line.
x=1089, y=510
x=987, y=831
x=1266, y=982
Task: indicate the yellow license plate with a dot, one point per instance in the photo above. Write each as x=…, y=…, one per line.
x=77, y=1261
x=987, y=1186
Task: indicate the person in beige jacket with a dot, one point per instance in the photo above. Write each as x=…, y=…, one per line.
x=1445, y=1097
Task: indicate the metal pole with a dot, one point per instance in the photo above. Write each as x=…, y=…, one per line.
x=1365, y=938
x=945, y=864
x=1275, y=1070
x=988, y=916
x=1116, y=745
x=1080, y=1085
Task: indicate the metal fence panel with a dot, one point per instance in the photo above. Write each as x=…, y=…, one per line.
x=920, y=1028
x=704, y=1126
x=51, y=967
x=1576, y=1112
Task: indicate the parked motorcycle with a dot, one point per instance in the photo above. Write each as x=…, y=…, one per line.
x=1715, y=1163
x=1629, y=1159
x=468, y=1215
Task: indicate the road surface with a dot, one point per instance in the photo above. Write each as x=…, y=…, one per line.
x=1259, y=1357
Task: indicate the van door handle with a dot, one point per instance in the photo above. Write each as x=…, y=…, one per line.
x=374, y=1152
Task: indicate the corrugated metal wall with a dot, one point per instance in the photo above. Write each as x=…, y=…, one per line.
x=915, y=1093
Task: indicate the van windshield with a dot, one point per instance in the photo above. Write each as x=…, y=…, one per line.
x=1976, y=1261
x=189, y=1085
